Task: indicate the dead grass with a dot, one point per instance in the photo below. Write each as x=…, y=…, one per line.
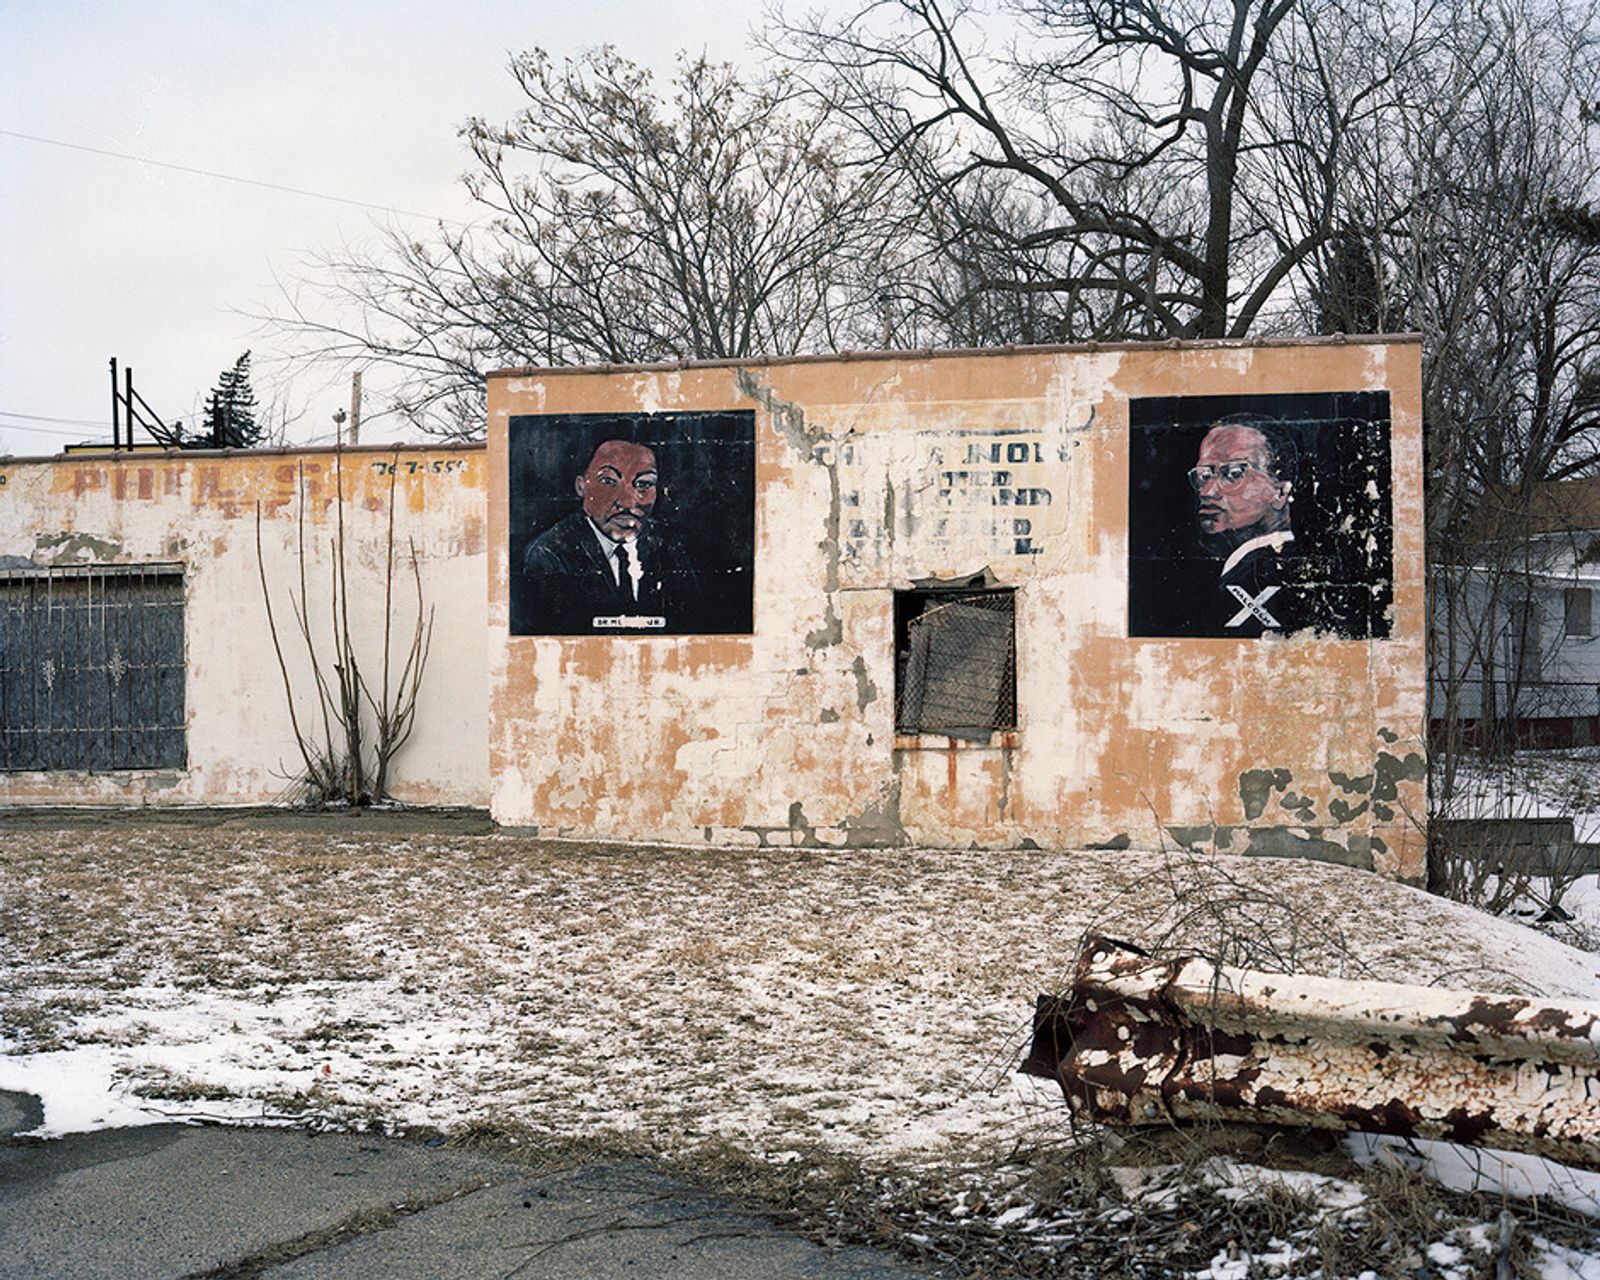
x=658, y=981
x=832, y=1033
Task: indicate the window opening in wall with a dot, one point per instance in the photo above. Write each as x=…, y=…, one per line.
x=91, y=668
x=955, y=662
x=1580, y=611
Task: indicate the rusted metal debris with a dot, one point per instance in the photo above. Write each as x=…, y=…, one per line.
x=1140, y=1041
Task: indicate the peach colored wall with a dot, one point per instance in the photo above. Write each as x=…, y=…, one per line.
x=198, y=510
x=1301, y=746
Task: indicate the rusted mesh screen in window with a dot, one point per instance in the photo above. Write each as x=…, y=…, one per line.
x=958, y=675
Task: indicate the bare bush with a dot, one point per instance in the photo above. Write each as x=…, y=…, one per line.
x=345, y=764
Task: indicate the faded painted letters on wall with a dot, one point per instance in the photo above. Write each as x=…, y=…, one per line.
x=631, y=523
x=918, y=498
x=1250, y=515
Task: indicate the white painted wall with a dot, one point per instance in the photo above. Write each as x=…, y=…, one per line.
x=200, y=511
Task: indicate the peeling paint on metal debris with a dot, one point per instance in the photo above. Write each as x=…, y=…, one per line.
x=1138, y=1040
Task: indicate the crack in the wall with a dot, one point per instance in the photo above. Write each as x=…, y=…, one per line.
x=69, y=547
x=877, y=825
x=812, y=444
x=1256, y=787
x=798, y=823
x=1390, y=772
x=1344, y=811
x=1303, y=807
x=1316, y=844
x=831, y=632
x=1310, y=843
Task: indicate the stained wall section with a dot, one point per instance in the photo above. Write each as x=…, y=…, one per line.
x=196, y=514
x=876, y=474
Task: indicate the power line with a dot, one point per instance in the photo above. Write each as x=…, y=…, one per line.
x=40, y=417
x=51, y=431
x=229, y=177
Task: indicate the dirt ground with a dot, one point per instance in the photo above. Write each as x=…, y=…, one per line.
x=398, y=971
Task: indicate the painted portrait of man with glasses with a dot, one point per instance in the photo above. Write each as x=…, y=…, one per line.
x=1281, y=523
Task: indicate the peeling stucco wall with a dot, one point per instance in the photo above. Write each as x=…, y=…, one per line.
x=876, y=472
x=198, y=511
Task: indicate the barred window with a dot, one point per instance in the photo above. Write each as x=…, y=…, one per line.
x=92, y=668
x=955, y=662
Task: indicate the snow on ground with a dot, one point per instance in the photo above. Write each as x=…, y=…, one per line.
x=1556, y=783
x=870, y=1003
x=863, y=1000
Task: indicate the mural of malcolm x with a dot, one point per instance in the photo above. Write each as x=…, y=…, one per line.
x=1259, y=515
x=1244, y=487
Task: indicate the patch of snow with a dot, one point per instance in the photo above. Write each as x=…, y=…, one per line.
x=1225, y=1268
x=1557, y=1262
x=85, y=1089
x=1500, y=1173
x=1239, y=1181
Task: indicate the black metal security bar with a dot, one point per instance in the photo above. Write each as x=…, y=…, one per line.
x=92, y=668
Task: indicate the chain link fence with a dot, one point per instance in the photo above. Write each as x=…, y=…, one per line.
x=956, y=662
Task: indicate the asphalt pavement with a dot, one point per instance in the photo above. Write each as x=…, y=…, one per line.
x=211, y=1201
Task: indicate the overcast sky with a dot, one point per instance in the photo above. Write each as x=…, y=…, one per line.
x=359, y=99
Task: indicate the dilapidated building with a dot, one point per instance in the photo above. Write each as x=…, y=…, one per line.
x=137, y=665
x=959, y=599
x=1069, y=597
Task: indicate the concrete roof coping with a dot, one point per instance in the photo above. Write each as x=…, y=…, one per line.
x=142, y=453
x=939, y=353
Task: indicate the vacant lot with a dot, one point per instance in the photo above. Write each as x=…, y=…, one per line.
x=874, y=1003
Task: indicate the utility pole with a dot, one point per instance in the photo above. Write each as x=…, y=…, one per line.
x=355, y=407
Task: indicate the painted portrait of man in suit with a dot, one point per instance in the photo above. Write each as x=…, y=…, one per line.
x=1260, y=515
x=608, y=565
x=616, y=561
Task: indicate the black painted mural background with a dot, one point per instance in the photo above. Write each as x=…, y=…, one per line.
x=1336, y=574
x=704, y=514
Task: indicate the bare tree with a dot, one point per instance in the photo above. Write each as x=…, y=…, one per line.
x=1178, y=161
x=1480, y=235
x=621, y=228
x=1468, y=216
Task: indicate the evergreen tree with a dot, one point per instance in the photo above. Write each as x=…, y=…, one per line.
x=229, y=420
x=1347, y=291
